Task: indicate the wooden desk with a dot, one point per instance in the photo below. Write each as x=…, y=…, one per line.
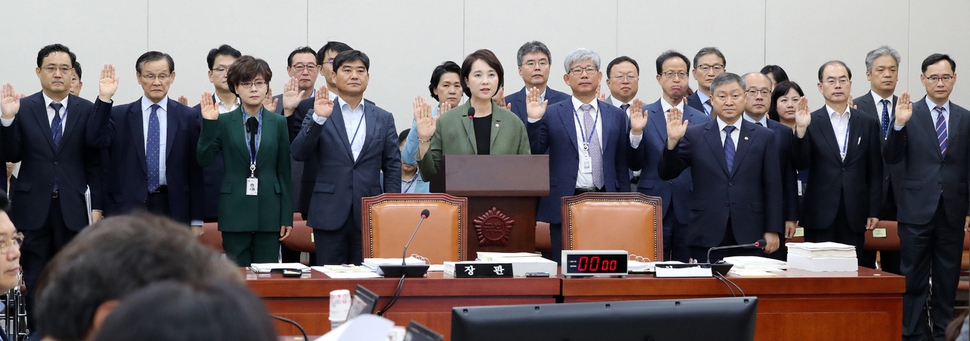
x=796, y=305
x=426, y=300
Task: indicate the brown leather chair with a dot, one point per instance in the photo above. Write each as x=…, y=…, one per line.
x=389, y=219
x=543, y=240
x=613, y=221
x=211, y=236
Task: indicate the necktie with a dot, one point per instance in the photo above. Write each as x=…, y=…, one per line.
x=152, y=146
x=941, y=129
x=885, y=118
x=759, y=124
x=708, y=102
x=729, y=148
x=624, y=107
x=595, y=154
x=56, y=132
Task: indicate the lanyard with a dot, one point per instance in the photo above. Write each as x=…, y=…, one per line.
x=845, y=142
x=252, y=152
x=410, y=183
x=356, y=131
x=582, y=131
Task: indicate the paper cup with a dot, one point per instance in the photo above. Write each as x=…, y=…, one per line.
x=339, y=305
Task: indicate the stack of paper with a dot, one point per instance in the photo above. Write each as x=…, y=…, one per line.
x=671, y=269
x=262, y=268
x=756, y=263
x=347, y=271
x=827, y=256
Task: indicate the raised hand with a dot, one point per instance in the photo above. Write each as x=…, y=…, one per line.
x=803, y=117
x=443, y=107
x=209, y=109
x=291, y=96
x=534, y=105
x=638, y=118
x=851, y=104
x=108, y=83
x=499, y=97
x=183, y=100
x=904, y=109
x=269, y=102
x=676, y=127
x=9, y=101
x=322, y=105
x=422, y=116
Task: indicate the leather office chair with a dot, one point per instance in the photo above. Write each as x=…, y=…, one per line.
x=888, y=243
x=543, y=241
x=389, y=219
x=613, y=221
x=211, y=236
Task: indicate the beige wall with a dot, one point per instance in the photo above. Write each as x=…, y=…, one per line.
x=406, y=39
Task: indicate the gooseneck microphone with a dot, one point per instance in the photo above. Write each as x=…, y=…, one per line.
x=760, y=244
x=424, y=215
x=404, y=269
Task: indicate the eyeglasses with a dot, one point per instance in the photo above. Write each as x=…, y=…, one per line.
x=532, y=63
x=257, y=84
x=329, y=62
x=63, y=69
x=308, y=67
x=6, y=243
x=151, y=78
x=625, y=77
x=756, y=92
x=706, y=67
x=944, y=78
x=220, y=70
x=576, y=71
x=840, y=81
x=671, y=74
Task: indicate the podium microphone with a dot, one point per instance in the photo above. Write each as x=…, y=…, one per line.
x=760, y=244
x=404, y=269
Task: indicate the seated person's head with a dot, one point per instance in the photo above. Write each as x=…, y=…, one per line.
x=111, y=259
x=173, y=311
x=10, y=241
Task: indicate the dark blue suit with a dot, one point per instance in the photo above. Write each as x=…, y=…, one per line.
x=126, y=186
x=674, y=192
x=518, y=102
x=341, y=182
x=212, y=180
x=746, y=198
x=694, y=101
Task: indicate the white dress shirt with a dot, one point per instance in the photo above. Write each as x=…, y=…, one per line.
x=735, y=134
x=704, y=99
x=666, y=108
x=162, y=112
x=763, y=121
x=354, y=123
x=933, y=114
x=840, y=123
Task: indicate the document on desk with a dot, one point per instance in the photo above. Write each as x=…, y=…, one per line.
x=668, y=270
x=262, y=268
x=346, y=271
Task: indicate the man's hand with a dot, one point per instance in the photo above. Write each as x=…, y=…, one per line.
x=444, y=107
x=208, y=108
x=269, y=102
x=803, y=117
x=871, y=223
x=291, y=96
x=499, y=99
x=285, y=230
x=772, y=242
x=108, y=83
x=535, y=106
x=96, y=216
x=198, y=230
x=638, y=118
x=790, y=227
x=676, y=128
x=9, y=101
x=183, y=100
x=422, y=116
x=904, y=109
x=322, y=105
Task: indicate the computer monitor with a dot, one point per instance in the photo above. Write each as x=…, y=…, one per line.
x=725, y=319
x=364, y=302
x=418, y=332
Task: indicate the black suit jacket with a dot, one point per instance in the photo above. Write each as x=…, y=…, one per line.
x=211, y=180
x=28, y=139
x=789, y=179
x=856, y=182
x=126, y=185
x=866, y=104
x=924, y=175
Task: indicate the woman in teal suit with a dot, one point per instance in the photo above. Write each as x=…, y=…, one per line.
x=255, y=205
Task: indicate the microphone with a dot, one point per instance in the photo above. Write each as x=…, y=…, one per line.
x=760, y=244
x=404, y=269
x=471, y=112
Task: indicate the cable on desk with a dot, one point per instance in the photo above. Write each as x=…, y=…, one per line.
x=293, y=323
x=397, y=294
x=726, y=281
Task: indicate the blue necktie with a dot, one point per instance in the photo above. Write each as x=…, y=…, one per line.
x=941, y=129
x=152, y=147
x=56, y=132
x=729, y=148
x=885, y=118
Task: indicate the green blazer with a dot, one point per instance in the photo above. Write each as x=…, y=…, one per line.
x=238, y=212
x=455, y=134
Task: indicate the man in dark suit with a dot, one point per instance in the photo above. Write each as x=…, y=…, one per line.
x=623, y=80
x=352, y=142
x=588, y=141
x=675, y=193
x=882, y=66
x=735, y=171
x=927, y=149
x=57, y=167
x=708, y=63
x=219, y=60
x=10, y=241
x=152, y=144
x=840, y=147
x=758, y=94
x=534, y=59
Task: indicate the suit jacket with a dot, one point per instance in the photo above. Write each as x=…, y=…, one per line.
x=855, y=182
x=455, y=134
x=75, y=166
x=784, y=136
x=753, y=206
x=694, y=101
x=211, y=179
x=238, y=212
x=341, y=181
x=865, y=104
x=555, y=133
x=518, y=101
x=647, y=159
x=126, y=185
x=925, y=175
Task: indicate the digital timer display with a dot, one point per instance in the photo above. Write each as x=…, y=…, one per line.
x=593, y=264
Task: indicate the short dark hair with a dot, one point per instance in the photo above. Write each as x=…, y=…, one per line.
x=489, y=58
x=781, y=90
x=350, y=56
x=77, y=70
x=725, y=79
x=334, y=46
x=245, y=69
x=403, y=136
x=154, y=56
x=301, y=49
x=173, y=311
x=113, y=258
x=439, y=71
x=620, y=59
x=833, y=62
x=668, y=55
x=709, y=50
x=775, y=71
x=222, y=50
x=532, y=47
x=936, y=58
x=47, y=50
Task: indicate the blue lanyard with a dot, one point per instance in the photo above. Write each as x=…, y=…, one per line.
x=845, y=144
x=582, y=131
x=410, y=183
x=259, y=128
x=356, y=131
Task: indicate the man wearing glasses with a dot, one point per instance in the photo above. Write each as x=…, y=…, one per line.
x=708, y=63
x=152, y=146
x=840, y=146
x=623, y=80
x=10, y=241
x=534, y=60
x=302, y=65
x=219, y=60
x=57, y=167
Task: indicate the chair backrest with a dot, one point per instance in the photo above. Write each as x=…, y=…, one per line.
x=613, y=221
x=389, y=219
x=211, y=236
x=888, y=243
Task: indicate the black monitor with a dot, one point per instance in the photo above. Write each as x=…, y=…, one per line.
x=725, y=319
x=364, y=302
x=418, y=332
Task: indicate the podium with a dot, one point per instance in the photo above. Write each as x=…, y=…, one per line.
x=502, y=193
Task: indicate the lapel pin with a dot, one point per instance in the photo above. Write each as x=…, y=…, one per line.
x=496, y=125
x=745, y=138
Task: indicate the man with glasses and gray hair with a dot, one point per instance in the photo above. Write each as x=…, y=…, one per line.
x=708, y=63
x=534, y=60
x=588, y=141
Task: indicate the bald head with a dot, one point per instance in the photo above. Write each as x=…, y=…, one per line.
x=758, y=92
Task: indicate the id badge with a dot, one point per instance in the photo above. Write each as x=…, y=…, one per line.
x=252, y=186
x=585, y=164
